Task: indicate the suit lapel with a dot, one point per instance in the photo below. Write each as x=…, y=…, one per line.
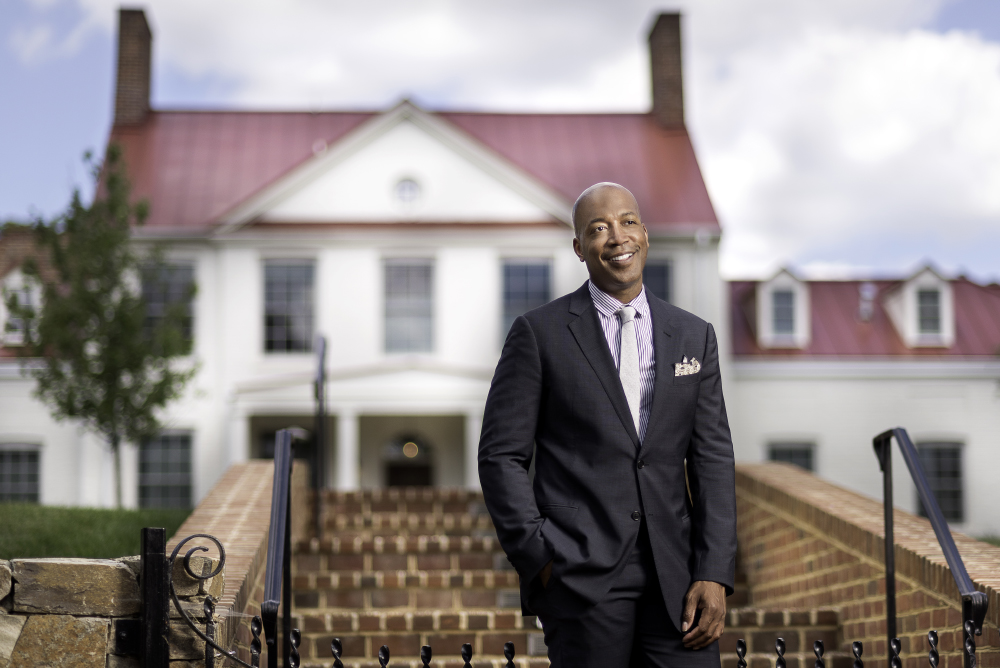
x=590, y=337
x=666, y=348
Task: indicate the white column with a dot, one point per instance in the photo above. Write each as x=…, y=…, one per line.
x=237, y=434
x=130, y=475
x=473, y=428
x=347, y=450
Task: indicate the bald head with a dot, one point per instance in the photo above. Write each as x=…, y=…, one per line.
x=611, y=239
x=581, y=209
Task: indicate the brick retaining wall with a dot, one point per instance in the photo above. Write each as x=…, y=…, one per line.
x=806, y=543
x=238, y=511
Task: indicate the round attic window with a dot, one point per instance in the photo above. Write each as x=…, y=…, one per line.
x=407, y=191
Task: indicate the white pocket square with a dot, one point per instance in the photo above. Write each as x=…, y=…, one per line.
x=686, y=368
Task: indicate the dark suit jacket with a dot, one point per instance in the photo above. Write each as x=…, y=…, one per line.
x=556, y=391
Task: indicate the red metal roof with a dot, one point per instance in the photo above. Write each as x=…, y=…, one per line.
x=838, y=331
x=193, y=166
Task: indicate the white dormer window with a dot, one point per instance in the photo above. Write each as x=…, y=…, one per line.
x=929, y=311
x=922, y=310
x=783, y=312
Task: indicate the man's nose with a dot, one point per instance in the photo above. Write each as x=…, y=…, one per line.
x=616, y=235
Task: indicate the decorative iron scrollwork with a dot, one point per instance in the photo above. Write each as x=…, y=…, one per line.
x=209, y=641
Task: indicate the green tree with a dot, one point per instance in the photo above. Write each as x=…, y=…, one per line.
x=95, y=355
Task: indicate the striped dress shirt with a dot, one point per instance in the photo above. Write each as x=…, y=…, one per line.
x=607, y=311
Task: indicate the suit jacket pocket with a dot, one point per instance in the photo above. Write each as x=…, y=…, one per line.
x=555, y=508
x=687, y=380
x=559, y=531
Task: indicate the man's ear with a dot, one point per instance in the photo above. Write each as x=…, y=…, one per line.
x=577, y=249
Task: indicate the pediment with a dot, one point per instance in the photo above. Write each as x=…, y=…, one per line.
x=404, y=166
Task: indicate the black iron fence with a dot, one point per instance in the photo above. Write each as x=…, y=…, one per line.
x=858, y=650
x=974, y=602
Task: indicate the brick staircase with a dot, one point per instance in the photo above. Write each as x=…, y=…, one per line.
x=407, y=567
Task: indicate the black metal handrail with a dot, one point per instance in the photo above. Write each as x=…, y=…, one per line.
x=279, y=553
x=974, y=602
x=319, y=436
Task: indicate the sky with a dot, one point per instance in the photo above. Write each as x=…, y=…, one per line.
x=848, y=138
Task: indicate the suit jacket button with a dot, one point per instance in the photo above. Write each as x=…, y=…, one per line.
x=642, y=464
x=636, y=515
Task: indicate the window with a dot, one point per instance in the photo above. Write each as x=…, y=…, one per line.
x=526, y=286
x=656, y=278
x=783, y=311
x=19, y=473
x=800, y=454
x=18, y=288
x=14, y=334
x=407, y=191
x=288, y=306
x=409, y=306
x=165, y=471
x=929, y=311
x=942, y=464
x=166, y=287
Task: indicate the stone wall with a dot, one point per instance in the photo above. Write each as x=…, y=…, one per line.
x=806, y=543
x=63, y=612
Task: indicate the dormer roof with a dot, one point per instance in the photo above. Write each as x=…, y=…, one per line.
x=839, y=330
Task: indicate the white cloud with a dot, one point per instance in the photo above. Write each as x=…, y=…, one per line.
x=878, y=135
x=37, y=43
x=830, y=134
x=30, y=44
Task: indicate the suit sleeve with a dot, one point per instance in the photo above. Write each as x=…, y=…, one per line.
x=505, y=450
x=712, y=478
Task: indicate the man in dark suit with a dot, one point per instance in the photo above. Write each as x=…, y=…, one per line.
x=617, y=396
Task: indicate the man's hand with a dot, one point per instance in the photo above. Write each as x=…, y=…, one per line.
x=546, y=573
x=710, y=598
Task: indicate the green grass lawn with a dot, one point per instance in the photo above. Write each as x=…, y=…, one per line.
x=992, y=540
x=28, y=531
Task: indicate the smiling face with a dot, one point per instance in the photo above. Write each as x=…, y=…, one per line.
x=611, y=239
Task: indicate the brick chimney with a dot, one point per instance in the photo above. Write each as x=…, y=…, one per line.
x=665, y=61
x=134, y=56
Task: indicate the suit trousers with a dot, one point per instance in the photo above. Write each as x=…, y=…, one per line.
x=629, y=628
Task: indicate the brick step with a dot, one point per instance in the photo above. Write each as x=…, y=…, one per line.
x=417, y=598
x=452, y=661
x=403, y=579
x=399, y=499
x=463, y=523
x=362, y=633
x=350, y=543
x=432, y=561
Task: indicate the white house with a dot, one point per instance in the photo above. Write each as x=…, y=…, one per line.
x=410, y=239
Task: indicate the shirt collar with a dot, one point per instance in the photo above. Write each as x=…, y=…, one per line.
x=609, y=305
